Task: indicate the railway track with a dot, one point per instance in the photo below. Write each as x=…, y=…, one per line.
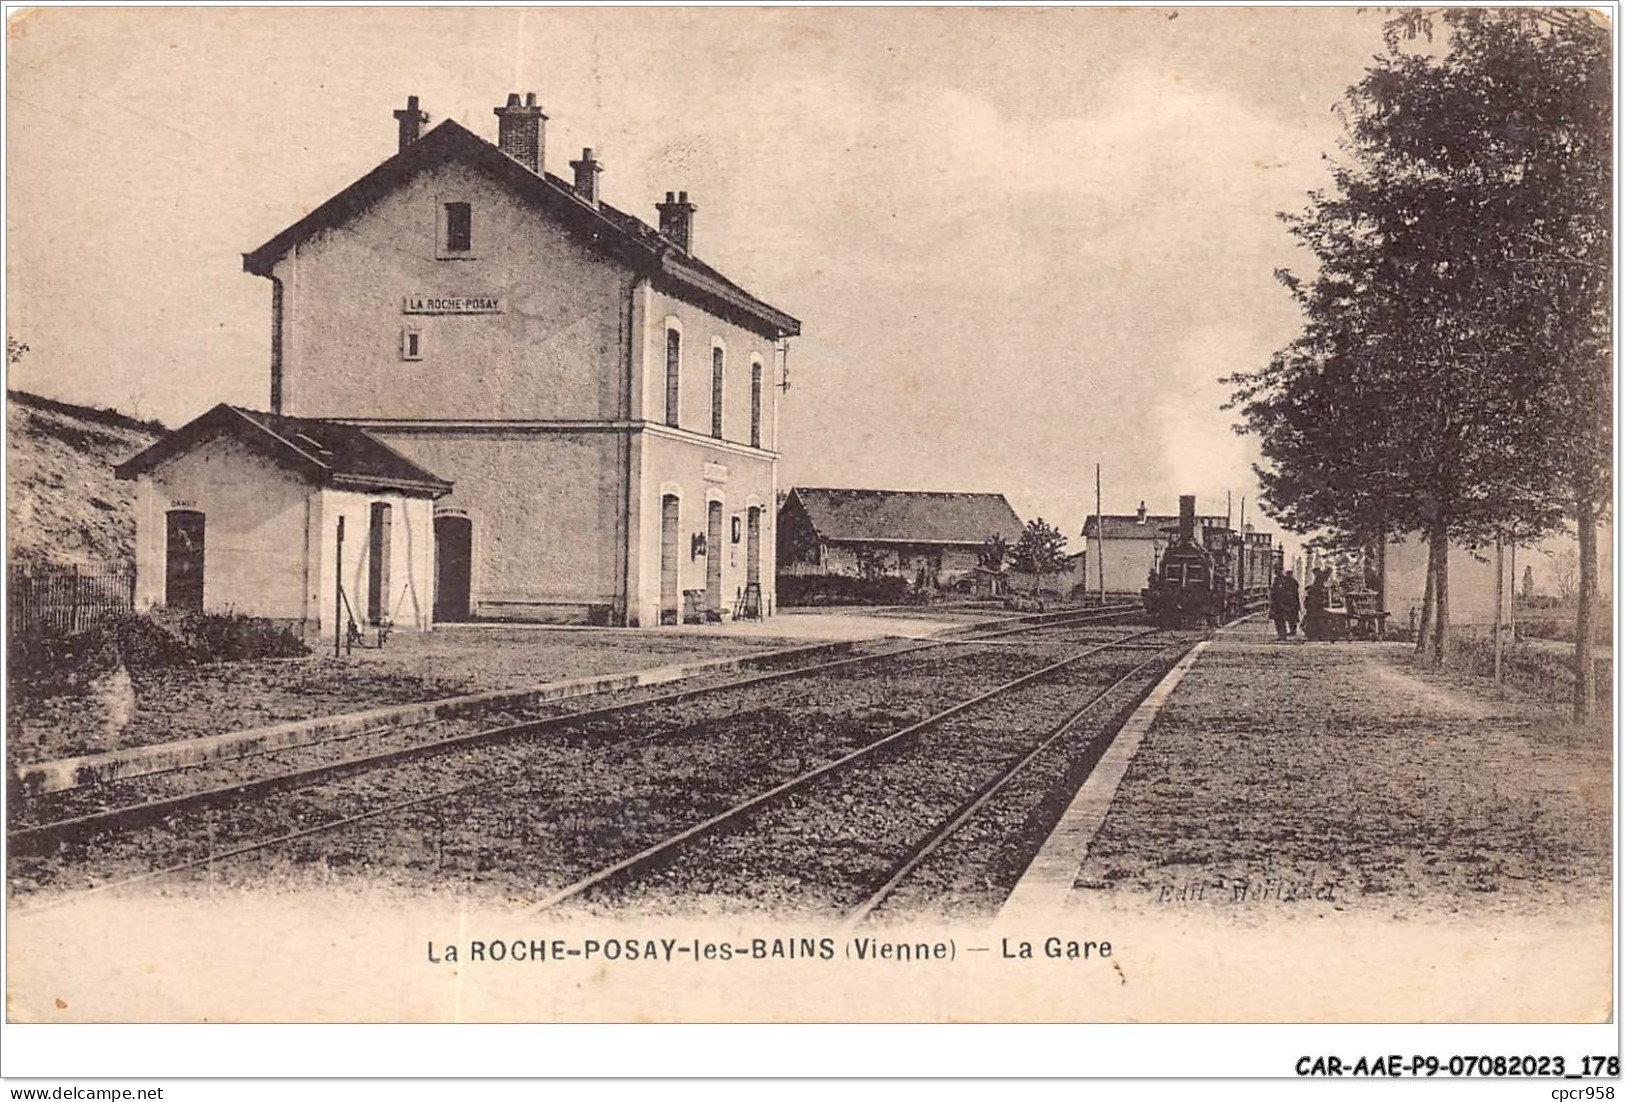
x=170, y=812
x=777, y=840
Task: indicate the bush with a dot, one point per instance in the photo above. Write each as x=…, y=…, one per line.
x=1023, y=602
x=43, y=664
x=230, y=637
x=840, y=589
x=1540, y=671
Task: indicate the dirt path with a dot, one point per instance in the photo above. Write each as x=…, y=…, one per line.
x=1336, y=778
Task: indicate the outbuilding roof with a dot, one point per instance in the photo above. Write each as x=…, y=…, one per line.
x=1133, y=526
x=327, y=452
x=617, y=233
x=906, y=516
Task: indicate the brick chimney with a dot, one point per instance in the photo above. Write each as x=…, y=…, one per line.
x=522, y=130
x=677, y=220
x=587, y=170
x=412, y=122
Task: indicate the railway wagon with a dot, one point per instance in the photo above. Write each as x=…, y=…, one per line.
x=1208, y=576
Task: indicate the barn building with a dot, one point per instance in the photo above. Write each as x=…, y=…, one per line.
x=931, y=537
x=599, y=399
x=241, y=511
x=1129, y=546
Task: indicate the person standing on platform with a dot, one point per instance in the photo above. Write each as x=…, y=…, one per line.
x=1284, y=605
x=1316, y=600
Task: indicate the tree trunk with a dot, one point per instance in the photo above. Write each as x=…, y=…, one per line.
x=1500, y=603
x=1441, y=594
x=1585, y=671
x=1424, y=625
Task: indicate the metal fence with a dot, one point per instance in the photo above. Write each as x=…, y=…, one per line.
x=65, y=599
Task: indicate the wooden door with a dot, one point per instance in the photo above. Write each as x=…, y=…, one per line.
x=453, y=567
x=183, y=567
x=713, y=557
x=378, y=554
x=669, y=613
x=753, y=546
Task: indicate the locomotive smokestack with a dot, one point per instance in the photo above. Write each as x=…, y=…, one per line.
x=1187, y=516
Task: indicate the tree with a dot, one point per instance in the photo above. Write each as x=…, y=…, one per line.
x=1566, y=572
x=1038, y=552
x=1452, y=328
x=1528, y=583
x=15, y=351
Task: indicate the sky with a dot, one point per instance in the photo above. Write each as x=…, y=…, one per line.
x=1020, y=242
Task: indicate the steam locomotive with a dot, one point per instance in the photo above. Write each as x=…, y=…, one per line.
x=1210, y=575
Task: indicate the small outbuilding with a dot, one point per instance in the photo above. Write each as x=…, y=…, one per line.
x=929, y=539
x=242, y=511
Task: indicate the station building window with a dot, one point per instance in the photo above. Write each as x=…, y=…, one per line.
x=674, y=374
x=755, y=405
x=716, y=392
x=459, y=227
x=454, y=230
x=411, y=344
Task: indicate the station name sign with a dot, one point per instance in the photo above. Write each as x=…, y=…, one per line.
x=452, y=304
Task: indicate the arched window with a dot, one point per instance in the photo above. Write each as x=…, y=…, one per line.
x=716, y=392
x=674, y=371
x=755, y=405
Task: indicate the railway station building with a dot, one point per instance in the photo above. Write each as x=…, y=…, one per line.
x=598, y=400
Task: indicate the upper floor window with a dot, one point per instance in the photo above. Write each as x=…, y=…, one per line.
x=755, y=405
x=674, y=370
x=455, y=236
x=716, y=392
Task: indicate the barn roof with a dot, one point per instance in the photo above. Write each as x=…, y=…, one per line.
x=617, y=233
x=907, y=516
x=327, y=452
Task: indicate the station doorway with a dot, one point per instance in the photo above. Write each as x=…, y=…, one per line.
x=453, y=568
x=183, y=561
x=753, y=546
x=713, y=560
x=668, y=559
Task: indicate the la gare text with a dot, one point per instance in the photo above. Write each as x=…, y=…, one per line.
x=667, y=950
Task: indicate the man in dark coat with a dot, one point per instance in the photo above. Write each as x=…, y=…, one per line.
x=1284, y=605
x=1317, y=599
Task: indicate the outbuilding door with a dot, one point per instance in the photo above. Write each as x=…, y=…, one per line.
x=183, y=566
x=378, y=606
x=669, y=613
x=713, y=557
x=453, y=567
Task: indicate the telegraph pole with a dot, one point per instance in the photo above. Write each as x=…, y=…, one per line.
x=1100, y=539
x=338, y=590
x=1241, y=566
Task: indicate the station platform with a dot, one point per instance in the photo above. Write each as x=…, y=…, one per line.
x=828, y=624
x=1318, y=778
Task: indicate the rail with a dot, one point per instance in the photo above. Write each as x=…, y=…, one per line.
x=47, y=836
x=652, y=854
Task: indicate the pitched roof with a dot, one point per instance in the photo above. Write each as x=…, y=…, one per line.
x=1131, y=527
x=326, y=452
x=907, y=516
x=617, y=233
